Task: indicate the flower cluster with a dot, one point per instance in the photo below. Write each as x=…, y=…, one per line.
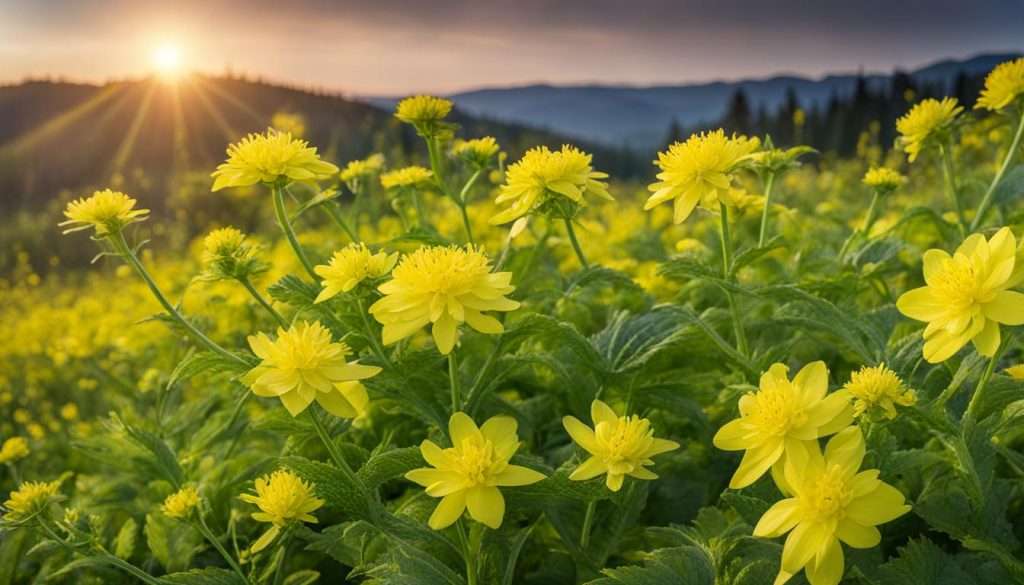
x=302, y=365
x=106, y=211
x=478, y=152
x=468, y=474
x=30, y=498
x=878, y=389
x=181, y=503
x=412, y=177
x=700, y=171
x=13, y=449
x=563, y=178
x=426, y=113
x=444, y=287
x=966, y=295
x=271, y=158
x=927, y=123
x=1003, y=85
x=618, y=446
x=351, y=266
x=283, y=498
x=227, y=255
x=883, y=179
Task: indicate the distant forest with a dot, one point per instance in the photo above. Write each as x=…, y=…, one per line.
x=837, y=127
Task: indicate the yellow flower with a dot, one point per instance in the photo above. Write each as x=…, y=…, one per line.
x=107, y=211
x=926, y=122
x=181, y=503
x=782, y=415
x=408, y=177
x=293, y=124
x=878, y=387
x=468, y=474
x=269, y=158
x=699, y=170
x=544, y=176
x=30, y=498
x=359, y=169
x=69, y=411
x=832, y=502
x=421, y=109
x=13, y=449
x=966, y=295
x=443, y=286
x=222, y=242
x=1003, y=85
x=618, y=446
x=303, y=365
x=351, y=266
x=282, y=498
x=883, y=179
x=1016, y=372
x=478, y=151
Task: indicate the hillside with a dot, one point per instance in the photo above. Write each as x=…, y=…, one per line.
x=145, y=135
x=639, y=117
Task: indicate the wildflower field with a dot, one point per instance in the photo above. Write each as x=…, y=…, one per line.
x=766, y=366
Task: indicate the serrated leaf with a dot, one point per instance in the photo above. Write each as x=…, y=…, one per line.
x=124, y=544
x=334, y=487
x=921, y=562
x=682, y=565
x=391, y=464
x=198, y=362
x=172, y=543
x=207, y=576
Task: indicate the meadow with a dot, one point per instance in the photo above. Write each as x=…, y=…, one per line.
x=769, y=365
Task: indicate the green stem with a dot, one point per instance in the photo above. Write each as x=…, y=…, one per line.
x=467, y=554
x=949, y=176
x=588, y=520
x=469, y=185
x=335, y=215
x=212, y=538
x=471, y=396
x=325, y=438
x=107, y=557
x=975, y=403
x=421, y=213
x=375, y=345
x=465, y=223
x=869, y=221
x=262, y=301
x=528, y=268
x=286, y=227
x=453, y=376
x=121, y=245
x=575, y=243
x=986, y=201
x=768, y=183
x=741, y=336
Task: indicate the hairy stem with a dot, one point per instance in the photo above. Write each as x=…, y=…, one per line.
x=286, y=227
x=575, y=243
x=262, y=301
x=768, y=183
x=119, y=243
x=986, y=201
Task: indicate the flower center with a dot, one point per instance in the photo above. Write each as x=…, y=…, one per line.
x=828, y=496
x=624, y=439
x=776, y=409
x=957, y=283
x=476, y=461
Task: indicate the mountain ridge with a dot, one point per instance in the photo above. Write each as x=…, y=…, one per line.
x=638, y=116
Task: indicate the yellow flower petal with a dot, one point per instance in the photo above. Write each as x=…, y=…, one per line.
x=448, y=511
x=486, y=505
x=580, y=433
x=779, y=519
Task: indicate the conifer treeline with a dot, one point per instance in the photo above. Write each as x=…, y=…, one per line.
x=837, y=126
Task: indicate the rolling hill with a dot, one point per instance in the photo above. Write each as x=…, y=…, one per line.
x=143, y=135
x=639, y=117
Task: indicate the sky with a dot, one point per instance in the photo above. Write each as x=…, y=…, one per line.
x=390, y=47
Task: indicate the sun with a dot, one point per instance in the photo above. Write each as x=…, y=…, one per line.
x=167, y=61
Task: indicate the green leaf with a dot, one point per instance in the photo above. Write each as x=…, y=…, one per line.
x=748, y=256
x=1010, y=187
x=542, y=329
x=124, y=544
x=596, y=274
x=334, y=487
x=681, y=565
x=629, y=342
x=157, y=455
x=803, y=308
x=172, y=543
x=388, y=465
x=207, y=576
x=198, y=362
x=685, y=268
x=921, y=562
